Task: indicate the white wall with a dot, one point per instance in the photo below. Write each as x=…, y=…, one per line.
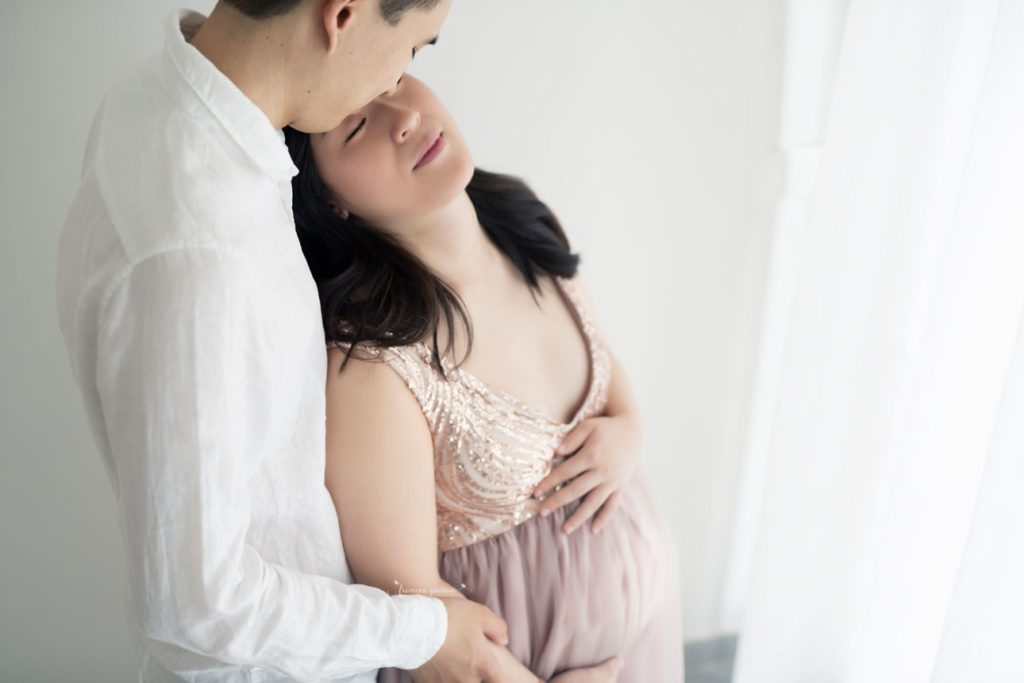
x=648, y=127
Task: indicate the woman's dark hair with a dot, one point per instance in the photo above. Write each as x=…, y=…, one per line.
x=374, y=291
x=391, y=10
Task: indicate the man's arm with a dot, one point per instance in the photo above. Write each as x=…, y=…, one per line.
x=186, y=384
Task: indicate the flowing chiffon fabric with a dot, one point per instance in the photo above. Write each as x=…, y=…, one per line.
x=573, y=600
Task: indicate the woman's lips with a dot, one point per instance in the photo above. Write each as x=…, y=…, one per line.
x=433, y=147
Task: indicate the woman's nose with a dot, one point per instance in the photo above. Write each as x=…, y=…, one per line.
x=404, y=123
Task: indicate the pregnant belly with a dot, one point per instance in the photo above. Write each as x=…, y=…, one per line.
x=571, y=600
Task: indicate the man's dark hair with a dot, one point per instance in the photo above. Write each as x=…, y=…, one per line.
x=391, y=10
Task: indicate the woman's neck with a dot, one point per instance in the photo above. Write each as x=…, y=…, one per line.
x=453, y=244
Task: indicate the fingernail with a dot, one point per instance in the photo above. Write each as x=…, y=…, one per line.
x=538, y=493
x=569, y=529
x=544, y=512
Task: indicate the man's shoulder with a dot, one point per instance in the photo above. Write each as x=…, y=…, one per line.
x=139, y=112
x=144, y=126
x=166, y=173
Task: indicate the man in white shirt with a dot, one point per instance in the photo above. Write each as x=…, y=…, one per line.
x=194, y=332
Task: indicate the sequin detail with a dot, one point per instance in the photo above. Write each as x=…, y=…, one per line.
x=490, y=448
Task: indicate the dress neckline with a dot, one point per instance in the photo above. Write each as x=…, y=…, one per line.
x=583, y=325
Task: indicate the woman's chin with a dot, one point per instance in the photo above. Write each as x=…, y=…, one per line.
x=466, y=170
x=451, y=182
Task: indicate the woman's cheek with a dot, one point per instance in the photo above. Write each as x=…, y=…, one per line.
x=372, y=191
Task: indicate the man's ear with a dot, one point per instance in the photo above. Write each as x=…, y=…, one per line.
x=337, y=16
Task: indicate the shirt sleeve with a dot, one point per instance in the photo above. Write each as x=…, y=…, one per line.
x=186, y=391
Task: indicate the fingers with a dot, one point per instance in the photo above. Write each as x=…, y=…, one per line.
x=574, y=439
x=572, y=467
x=588, y=507
x=576, y=488
x=494, y=627
x=607, y=510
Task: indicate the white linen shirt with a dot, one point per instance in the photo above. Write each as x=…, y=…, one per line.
x=193, y=327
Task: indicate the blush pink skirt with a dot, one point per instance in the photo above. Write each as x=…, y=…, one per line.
x=575, y=600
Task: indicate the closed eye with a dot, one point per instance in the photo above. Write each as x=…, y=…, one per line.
x=353, y=133
x=432, y=41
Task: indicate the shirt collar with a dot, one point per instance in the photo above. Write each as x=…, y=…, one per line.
x=239, y=116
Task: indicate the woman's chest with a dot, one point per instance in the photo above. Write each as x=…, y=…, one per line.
x=535, y=352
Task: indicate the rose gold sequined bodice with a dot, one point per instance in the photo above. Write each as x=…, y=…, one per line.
x=490, y=448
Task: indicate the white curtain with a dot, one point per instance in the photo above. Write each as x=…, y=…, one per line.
x=880, y=529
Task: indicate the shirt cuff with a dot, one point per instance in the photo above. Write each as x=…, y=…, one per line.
x=426, y=627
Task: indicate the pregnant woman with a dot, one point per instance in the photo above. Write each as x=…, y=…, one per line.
x=481, y=438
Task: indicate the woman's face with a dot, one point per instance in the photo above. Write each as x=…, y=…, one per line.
x=395, y=159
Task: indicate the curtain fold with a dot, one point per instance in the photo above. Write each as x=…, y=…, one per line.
x=811, y=48
x=877, y=502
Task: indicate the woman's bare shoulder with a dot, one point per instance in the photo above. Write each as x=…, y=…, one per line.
x=362, y=369
x=388, y=380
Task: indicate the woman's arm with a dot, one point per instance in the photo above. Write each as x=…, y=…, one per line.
x=380, y=474
x=621, y=400
x=605, y=449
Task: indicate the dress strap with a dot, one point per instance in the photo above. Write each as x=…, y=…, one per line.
x=568, y=287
